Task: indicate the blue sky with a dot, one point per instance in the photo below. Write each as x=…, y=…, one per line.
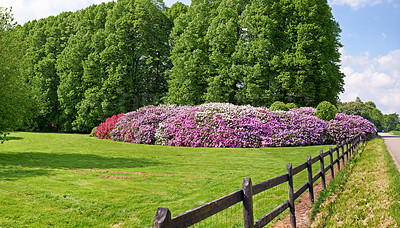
x=370, y=35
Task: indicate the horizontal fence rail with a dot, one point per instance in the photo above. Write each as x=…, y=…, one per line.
x=245, y=195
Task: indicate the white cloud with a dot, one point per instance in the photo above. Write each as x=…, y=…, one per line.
x=373, y=79
x=355, y=4
x=27, y=10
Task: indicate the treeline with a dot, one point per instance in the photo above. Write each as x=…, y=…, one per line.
x=14, y=92
x=368, y=110
x=256, y=52
x=85, y=66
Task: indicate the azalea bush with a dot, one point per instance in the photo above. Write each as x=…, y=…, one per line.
x=228, y=125
x=140, y=126
x=345, y=126
x=103, y=131
x=297, y=127
x=214, y=125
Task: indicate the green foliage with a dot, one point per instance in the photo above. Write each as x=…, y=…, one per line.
x=326, y=111
x=3, y=136
x=391, y=122
x=291, y=106
x=356, y=107
x=176, y=10
x=105, y=59
x=15, y=98
x=187, y=80
x=93, y=131
x=278, y=106
x=45, y=40
x=256, y=52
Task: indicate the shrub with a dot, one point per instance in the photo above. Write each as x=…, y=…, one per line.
x=326, y=111
x=290, y=106
x=3, y=136
x=105, y=128
x=294, y=128
x=93, y=132
x=345, y=126
x=213, y=125
x=278, y=106
x=228, y=125
x=140, y=126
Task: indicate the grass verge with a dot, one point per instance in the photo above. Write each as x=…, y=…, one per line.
x=61, y=180
x=365, y=194
x=395, y=133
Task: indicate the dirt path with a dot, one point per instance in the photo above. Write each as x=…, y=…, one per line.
x=303, y=207
x=393, y=144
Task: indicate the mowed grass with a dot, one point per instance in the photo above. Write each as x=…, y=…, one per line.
x=366, y=194
x=395, y=133
x=67, y=180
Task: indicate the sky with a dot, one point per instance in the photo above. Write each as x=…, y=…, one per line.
x=370, y=36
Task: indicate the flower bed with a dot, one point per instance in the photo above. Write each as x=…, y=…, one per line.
x=228, y=125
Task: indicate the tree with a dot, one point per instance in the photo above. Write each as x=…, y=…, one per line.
x=377, y=118
x=14, y=93
x=86, y=66
x=225, y=75
x=76, y=77
x=307, y=67
x=257, y=52
x=187, y=79
x=353, y=107
x=391, y=122
x=46, y=39
x=176, y=10
x=135, y=55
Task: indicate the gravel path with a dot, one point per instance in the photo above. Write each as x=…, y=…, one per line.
x=393, y=144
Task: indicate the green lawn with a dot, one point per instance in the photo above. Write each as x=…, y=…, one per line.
x=49, y=179
x=395, y=133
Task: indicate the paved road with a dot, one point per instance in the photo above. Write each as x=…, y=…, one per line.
x=393, y=143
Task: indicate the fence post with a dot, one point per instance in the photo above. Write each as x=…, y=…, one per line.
x=162, y=218
x=310, y=181
x=248, y=203
x=321, y=159
x=331, y=156
x=291, y=196
x=338, y=156
x=347, y=150
x=342, y=146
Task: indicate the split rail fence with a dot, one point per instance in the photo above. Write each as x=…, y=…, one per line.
x=245, y=195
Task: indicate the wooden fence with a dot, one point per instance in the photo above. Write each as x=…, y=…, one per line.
x=245, y=195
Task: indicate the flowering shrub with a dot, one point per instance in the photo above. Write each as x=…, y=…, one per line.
x=213, y=126
x=104, y=129
x=345, y=126
x=140, y=126
x=228, y=125
x=294, y=128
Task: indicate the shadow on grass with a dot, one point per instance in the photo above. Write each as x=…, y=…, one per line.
x=18, y=173
x=17, y=164
x=10, y=138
